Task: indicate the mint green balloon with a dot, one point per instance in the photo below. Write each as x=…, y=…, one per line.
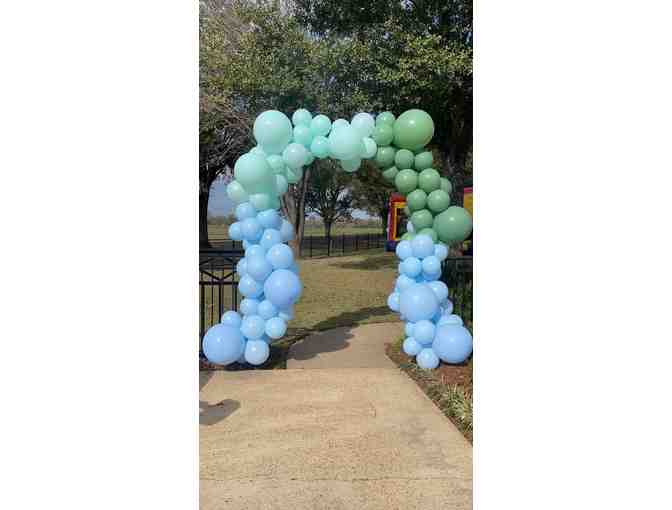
x=254, y=173
x=257, y=150
x=281, y=184
x=429, y=232
x=406, y=181
x=438, y=201
x=320, y=147
x=422, y=219
x=446, y=185
x=429, y=180
x=390, y=173
x=338, y=124
x=423, y=160
x=261, y=201
x=404, y=159
x=453, y=225
x=277, y=164
x=345, y=143
x=273, y=131
x=363, y=123
x=385, y=156
x=320, y=125
x=408, y=236
x=413, y=129
x=303, y=135
x=385, y=118
x=416, y=200
x=236, y=192
x=294, y=175
x=351, y=165
x=383, y=134
x=302, y=117
x=295, y=155
x=370, y=148
x=309, y=158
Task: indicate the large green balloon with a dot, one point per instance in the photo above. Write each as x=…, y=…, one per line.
x=453, y=225
x=438, y=201
x=413, y=129
x=236, y=192
x=416, y=200
x=273, y=131
x=423, y=160
x=254, y=173
x=422, y=219
x=406, y=181
x=385, y=156
x=390, y=173
x=345, y=143
x=446, y=185
x=385, y=118
x=404, y=159
x=429, y=180
x=383, y=135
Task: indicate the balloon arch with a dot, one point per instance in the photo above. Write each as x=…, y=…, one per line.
x=268, y=273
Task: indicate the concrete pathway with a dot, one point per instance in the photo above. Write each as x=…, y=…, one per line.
x=349, y=347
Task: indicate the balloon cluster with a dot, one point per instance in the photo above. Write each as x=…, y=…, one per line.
x=433, y=332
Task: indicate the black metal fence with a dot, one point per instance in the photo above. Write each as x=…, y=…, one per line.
x=458, y=275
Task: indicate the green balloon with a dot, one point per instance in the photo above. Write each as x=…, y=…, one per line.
x=438, y=201
x=236, y=192
x=422, y=219
x=383, y=135
x=254, y=173
x=429, y=180
x=453, y=225
x=406, y=181
x=261, y=201
x=407, y=211
x=446, y=185
x=413, y=129
x=408, y=236
x=404, y=159
x=429, y=232
x=294, y=175
x=390, y=173
x=385, y=156
x=423, y=160
x=416, y=200
x=385, y=118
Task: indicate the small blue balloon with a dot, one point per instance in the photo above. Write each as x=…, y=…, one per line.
x=411, y=346
x=404, y=282
x=282, y=288
x=418, y=302
x=241, y=267
x=411, y=267
x=254, y=250
x=251, y=229
x=258, y=267
x=269, y=238
x=249, y=287
x=244, y=211
x=440, y=290
x=441, y=251
x=431, y=277
x=393, y=301
x=453, y=343
x=404, y=250
x=231, y=318
x=427, y=359
x=276, y=327
x=287, y=313
x=249, y=306
x=423, y=246
x=450, y=320
x=253, y=327
x=256, y=352
x=246, y=244
x=287, y=231
x=424, y=331
x=280, y=256
x=430, y=264
x=223, y=344
x=267, y=309
x=269, y=219
x=408, y=328
x=235, y=231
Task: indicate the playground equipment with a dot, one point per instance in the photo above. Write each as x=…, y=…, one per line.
x=268, y=273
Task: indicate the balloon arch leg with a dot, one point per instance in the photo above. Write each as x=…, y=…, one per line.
x=268, y=273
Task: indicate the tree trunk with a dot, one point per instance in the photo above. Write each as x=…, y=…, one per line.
x=293, y=206
x=383, y=217
x=203, y=198
x=327, y=229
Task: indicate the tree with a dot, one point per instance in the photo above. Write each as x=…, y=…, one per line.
x=327, y=194
x=371, y=192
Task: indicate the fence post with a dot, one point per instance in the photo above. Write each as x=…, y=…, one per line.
x=310, y=243
x=343, y=244
x=329, y=246
x=356, y=242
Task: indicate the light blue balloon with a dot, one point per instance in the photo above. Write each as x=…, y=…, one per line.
x=418, y=302
x=256, y=352
x=411, y=346
x=448, y=309
x=320, y=125
x=351, y=165
x=411, y=267
x=303, y=135
x=223, y=344
x=430, y=264
x=241, y=267
x=273, y=131
x=440, y=290
x=404, y=250
x=430, y=277
x=249, y=306
x=269, y=238
x=287, y=313
x=393, y=301
x=269, y=219
x=282, y=288
x=244, y=211
x=251, y=229
x=266, y=310
x=423, y=246
x=450, y=320
x=295, y=155
x=424, y=332
x=253, y=327
x=404, y=282
x=408, y=328
x=246, y=244
x=344, y=143
x=235, y=232
x=287, y=231
x=302, y=117
x=427, y=359
x=262, y=201
x=259, y=268
x=276, y=327
x=319, y=147
x=231, y=318
x=441, y=251
x=453, y=343
x=249, y=287
x=253, y=250
x=280, y=256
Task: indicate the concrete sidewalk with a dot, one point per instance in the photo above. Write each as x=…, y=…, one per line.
x=340, y=438
x=349, y=347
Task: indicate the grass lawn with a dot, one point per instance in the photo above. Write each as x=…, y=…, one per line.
x=221, y=231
